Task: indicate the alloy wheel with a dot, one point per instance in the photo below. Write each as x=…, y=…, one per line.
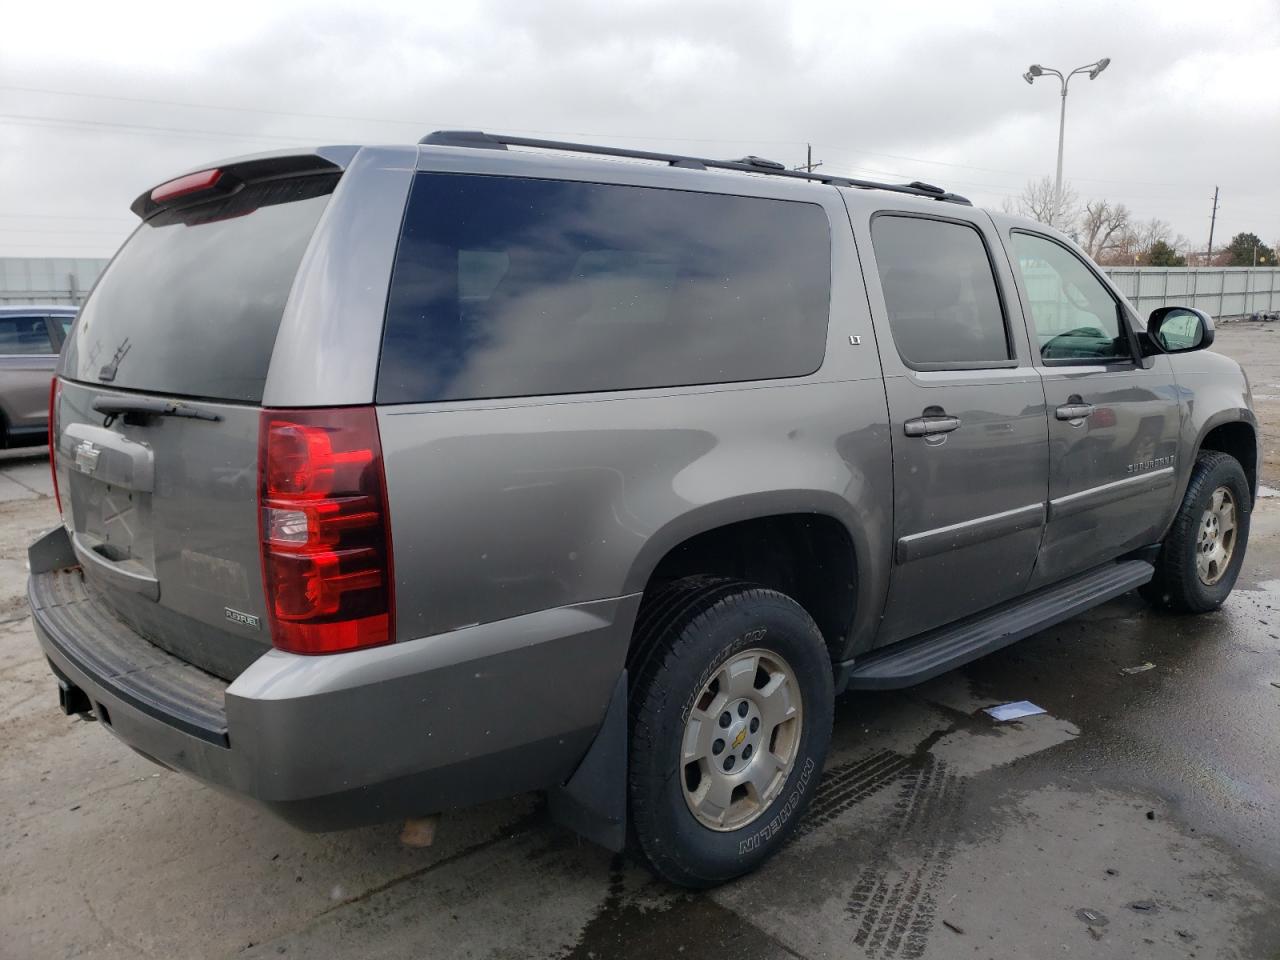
x=741, y=740
x=1216, y=538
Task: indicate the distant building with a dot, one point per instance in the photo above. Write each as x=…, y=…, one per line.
x=48, y=279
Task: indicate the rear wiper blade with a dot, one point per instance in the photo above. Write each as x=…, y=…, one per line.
x=137, y=409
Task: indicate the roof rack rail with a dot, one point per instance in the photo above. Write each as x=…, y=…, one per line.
x=492, y=141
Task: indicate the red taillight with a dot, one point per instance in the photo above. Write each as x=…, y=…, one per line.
x=326, y=535
x=191, y=183
x=55, y=391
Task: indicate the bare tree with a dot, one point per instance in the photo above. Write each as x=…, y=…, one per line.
x=1100, y=225
x=1040, y=201
x=1152, y=232
x=1121, y=240
x=1125, y=247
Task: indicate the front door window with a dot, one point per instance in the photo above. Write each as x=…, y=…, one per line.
x=1074, y=316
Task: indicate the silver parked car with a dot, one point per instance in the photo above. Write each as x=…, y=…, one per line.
x=30, y=338
x=401, y=478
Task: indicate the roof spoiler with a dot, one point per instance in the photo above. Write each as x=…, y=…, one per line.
x=225, y=178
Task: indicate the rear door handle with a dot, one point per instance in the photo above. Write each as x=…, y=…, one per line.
x=931, y=425
x=1074, y=411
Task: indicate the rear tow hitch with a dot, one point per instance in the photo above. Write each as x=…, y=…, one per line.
x=72, y=699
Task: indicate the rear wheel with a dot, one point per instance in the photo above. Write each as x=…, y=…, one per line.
x=1204, y=548
x=730, y=721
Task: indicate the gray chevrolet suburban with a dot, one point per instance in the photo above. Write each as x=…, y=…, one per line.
x=395, y=479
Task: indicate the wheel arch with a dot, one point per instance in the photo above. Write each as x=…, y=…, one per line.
x=1235, y=433
x=819, y=554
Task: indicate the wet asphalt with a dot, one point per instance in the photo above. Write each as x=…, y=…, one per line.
x=1137, y=817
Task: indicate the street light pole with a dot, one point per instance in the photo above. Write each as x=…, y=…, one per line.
x=1062, y=133
x=1035, y=70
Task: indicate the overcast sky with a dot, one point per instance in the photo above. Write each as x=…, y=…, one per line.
x=99, y=101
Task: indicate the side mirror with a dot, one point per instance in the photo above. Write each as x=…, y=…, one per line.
x=1179, y=329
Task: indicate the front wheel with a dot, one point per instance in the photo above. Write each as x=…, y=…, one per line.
x=730, y=721
x=1204, y=549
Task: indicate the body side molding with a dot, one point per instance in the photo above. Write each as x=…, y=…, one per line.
x=927, y=543
x=1073, y=503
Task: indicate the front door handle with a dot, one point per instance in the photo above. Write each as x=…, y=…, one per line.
x=1074, y=410
x=930, y=425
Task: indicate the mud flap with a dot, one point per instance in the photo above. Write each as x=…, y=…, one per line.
x=593, y=803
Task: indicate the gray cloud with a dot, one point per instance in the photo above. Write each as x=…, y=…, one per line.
x=927, y=91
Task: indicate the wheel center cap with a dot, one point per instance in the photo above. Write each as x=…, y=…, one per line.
x=737, y=741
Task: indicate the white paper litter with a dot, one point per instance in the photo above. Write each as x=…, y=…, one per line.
x=1014, y=711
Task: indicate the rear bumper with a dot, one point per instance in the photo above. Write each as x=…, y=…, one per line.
x=353, y=738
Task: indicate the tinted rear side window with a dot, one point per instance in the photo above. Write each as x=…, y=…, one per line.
x=940, y=292
x=192, y=302
x=512, y=287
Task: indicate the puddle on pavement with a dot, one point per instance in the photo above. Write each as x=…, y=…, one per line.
x=967, y=755
x=640, y=919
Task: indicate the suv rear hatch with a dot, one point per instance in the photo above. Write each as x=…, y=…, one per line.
x=157, y=412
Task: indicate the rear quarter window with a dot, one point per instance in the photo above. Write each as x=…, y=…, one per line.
x=508, y=287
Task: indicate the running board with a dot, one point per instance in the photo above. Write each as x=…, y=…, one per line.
x=921, y=658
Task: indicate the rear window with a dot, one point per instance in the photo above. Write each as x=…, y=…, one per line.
x=192, y=302
x=513, y=287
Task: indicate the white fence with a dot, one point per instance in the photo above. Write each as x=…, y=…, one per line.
x=1231, y=293
x=47, y=279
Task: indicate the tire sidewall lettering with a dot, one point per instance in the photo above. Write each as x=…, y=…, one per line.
x=677, y=845
x=779, y=819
